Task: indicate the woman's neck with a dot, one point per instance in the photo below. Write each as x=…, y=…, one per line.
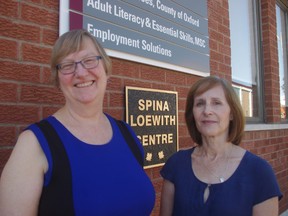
x=214, y=149
x=76, y=116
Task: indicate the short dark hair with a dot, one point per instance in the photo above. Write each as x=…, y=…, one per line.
x=237, y=124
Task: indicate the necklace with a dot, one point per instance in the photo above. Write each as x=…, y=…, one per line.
x=220, y=177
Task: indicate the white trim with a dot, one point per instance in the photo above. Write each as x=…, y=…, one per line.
x=63, y=17
x=259, y=127
x=284, y=213
x=241, y=89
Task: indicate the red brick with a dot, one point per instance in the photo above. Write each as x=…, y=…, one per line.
x=175, y=78
x=4, y=155
x=181, y=104
x=19, y=72
x=153, y=74
x=156, y=173
x=52, y=4
x=47, y=111
x=37, y=54
x=125, y=68
x=22, y=32
x=40, y=16
x=162, y=86
x=114, y=84
x=116, y=113
x=46, y=76
x=41, y=95
x=137, y=83
x=17, y=114
x=116, y=100
x=9, y=8
x=8, y=136
x=50, y=36
x=106, y=99
x=8, y=92
x=8, y=49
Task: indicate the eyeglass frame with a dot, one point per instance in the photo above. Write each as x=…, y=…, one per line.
x=58, y=66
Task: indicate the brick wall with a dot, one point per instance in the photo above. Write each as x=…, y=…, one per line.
x=28, y=30
x=270, y=57
x=272, y=146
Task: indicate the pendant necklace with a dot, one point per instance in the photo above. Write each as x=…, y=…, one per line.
x=220, y=178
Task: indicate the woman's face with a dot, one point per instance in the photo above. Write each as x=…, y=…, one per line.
x=84, y=85
x=212, y=113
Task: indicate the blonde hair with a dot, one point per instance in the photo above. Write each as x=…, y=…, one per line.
x=71, y=42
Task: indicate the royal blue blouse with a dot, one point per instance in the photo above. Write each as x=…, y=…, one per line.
x=252, y=183
x=106, y=179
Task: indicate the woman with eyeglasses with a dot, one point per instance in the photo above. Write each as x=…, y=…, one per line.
x=76, y=161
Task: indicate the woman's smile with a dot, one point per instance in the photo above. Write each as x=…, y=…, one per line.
x=85, y=84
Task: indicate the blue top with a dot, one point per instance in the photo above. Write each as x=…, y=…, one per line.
x=253, y=182
x=106, y=179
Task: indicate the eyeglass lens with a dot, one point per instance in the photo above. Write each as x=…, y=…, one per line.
x=87, y=63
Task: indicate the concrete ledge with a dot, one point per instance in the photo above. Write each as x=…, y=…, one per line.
x=259, y=127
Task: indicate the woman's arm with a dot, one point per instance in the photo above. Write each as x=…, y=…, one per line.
x=167, y=198
x=22, y=177
x=268, y=207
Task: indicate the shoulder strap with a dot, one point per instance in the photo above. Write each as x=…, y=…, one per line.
x=130, y=141
x=57, y=197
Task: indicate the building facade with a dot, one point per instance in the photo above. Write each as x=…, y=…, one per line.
x=248, y=46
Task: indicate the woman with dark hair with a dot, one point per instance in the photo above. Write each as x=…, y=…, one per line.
x=77, y=161
x=217, y=177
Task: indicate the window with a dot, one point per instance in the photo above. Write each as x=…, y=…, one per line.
x=245, y=61
x=281, y=20
x=245, y=96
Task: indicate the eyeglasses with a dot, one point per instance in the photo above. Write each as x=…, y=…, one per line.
x=70, y=67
